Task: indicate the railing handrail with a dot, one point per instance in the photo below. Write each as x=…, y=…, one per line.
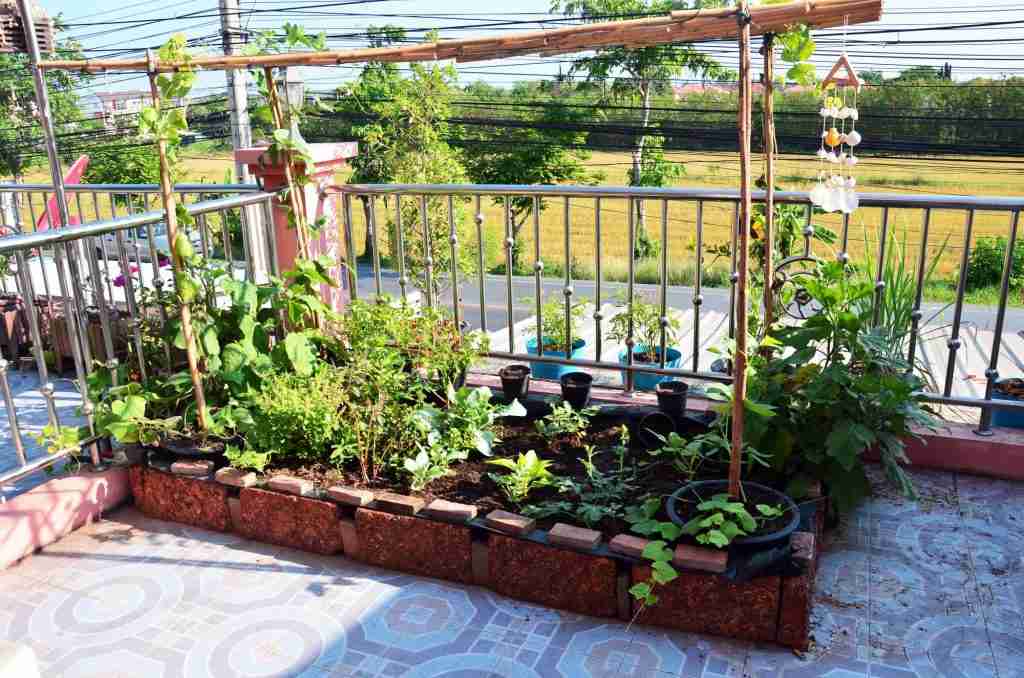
x=893, y=200
x=49, y=237
x=131, y=188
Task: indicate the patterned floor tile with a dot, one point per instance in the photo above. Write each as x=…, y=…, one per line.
x=926, y=588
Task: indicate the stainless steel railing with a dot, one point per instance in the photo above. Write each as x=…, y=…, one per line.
x=877, y=214
x=78, y=294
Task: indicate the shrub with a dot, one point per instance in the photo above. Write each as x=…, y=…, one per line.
x=985, y=265
x=301, y=417
x=132, y=165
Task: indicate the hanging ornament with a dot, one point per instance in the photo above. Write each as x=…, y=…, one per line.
x=836, y=188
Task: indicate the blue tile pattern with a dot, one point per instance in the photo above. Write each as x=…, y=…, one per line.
x=927, y=588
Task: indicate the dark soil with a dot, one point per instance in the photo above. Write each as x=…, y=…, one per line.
x=470, y=482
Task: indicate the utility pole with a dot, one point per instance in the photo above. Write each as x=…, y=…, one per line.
x=238, y=97
x=241, y=137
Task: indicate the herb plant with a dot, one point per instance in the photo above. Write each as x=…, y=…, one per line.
x=602, y=495
x=526, y=472
x=552, y=323
x=564, y=421
x=646, y=321
x=423, y=470
x=466, y=424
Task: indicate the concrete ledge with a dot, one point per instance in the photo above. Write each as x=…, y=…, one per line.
x=47, y=512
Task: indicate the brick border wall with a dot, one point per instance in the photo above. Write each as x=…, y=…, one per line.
x=501, y=551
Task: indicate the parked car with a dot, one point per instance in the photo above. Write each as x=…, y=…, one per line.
x=137, y=240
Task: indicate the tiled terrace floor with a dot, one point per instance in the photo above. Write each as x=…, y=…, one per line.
x=934, y=588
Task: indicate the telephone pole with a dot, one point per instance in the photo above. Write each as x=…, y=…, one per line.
x=238, y=97
x=241, y=137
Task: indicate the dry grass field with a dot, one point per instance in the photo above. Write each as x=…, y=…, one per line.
x=962, y=175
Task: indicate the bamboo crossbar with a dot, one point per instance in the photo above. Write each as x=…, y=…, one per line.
x=679, y=26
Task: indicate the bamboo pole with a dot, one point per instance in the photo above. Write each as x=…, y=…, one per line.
x=296, y=200
x=768, y=50
x=169, y=201
x=743, y=243
x=680, y=26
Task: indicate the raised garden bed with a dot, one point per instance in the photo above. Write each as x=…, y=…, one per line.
x=463, y=529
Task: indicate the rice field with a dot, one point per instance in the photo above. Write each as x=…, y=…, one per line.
x=960, y=175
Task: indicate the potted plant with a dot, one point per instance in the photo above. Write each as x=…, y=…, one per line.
x=646, y=323
x=672, y=398
x=1008, y=389
x=554, y=337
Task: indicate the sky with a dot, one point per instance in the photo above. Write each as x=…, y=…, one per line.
x=105, y=25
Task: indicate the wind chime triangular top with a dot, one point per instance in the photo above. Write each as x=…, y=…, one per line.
x=833, y=79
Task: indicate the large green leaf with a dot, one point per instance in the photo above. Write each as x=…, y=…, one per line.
x=846, y=442
x=299, y=350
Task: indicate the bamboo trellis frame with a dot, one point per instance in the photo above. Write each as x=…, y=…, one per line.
x=678, y=27
x=681, y=26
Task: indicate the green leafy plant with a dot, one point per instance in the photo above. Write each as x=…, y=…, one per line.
x=797, y=49
x=423, y=470
x=645, y=320
x=720, y=520
x=64, y=439
x=565, y=422
x=466, y=425
x=643, y=519
x=552, y=323
x=662, y=572
x=289, y=422
x=601, y=495
x=686, y=456
x=985, y=263
x=247, y=459
x=526, y=472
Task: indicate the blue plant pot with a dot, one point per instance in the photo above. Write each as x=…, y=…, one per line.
x=1009, y=418
x=551, y=370
x=646, y=382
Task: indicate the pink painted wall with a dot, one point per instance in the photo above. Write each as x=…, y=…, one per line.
x=52, y=510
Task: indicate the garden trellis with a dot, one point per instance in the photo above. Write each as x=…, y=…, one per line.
x=689, y=26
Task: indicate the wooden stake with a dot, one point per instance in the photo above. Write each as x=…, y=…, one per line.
x=295, y=199
x=170, y=206
x=768, y=50
x=739, y=376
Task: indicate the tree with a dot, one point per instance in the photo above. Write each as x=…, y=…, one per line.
x=406, y=141
x=872, y=77
x=21, y=135
x=920, y=73
x=377, y=83
x=544, y=147
x=635, y=75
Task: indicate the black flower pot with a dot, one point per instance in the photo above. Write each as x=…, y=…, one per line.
x=672, y=398
x=653, y=428
x=681, y=502
x=515, y=382
x=576, y=389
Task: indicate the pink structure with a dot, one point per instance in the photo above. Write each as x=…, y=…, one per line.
x=54, y=509
x=327, y=160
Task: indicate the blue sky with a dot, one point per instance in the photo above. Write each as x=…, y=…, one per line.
x=91, y=21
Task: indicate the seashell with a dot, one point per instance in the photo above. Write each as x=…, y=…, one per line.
x=852, y=138
x=850, y=201
x=822, y=153
x=854, y=115
x=823, y=112
x=851, y=182
x=818, y=194
x=851, y=160
x=830, y=156
x=832, y=137
x=845, y=112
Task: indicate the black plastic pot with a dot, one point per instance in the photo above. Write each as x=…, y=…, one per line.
x=576, y=389
x=515, y=382
x=177, y=448
x=672, y=398
x=652, y=428
x=755, y=492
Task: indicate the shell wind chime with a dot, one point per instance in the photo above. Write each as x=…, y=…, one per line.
x=836, y=190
